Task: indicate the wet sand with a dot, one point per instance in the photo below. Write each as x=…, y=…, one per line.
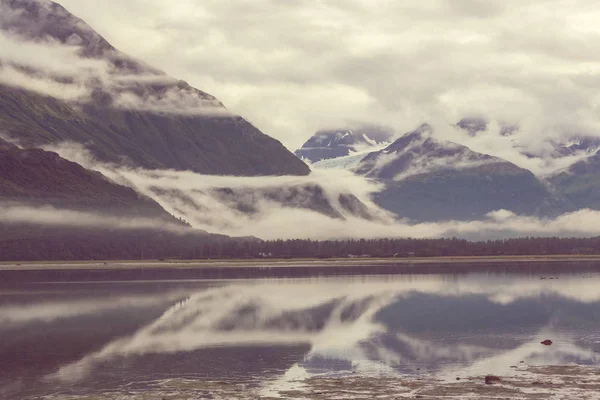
x=558, y=382
x=566, y=382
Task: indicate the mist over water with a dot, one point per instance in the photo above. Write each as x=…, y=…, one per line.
x=270, y=333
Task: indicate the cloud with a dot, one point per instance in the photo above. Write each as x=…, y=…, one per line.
x=174, y=100
x=426, y=165
x=294, y=67
x=276, y=220
x=48, y=67
x=9, y=139
x=199, y=200
x=535, y=153
x=46, y=215
x=49, y=56
x=61, y=71
x=13, y=77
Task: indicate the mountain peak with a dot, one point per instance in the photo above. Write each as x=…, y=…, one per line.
x=472, y=125
x=419, y=152
x=335, y=143
x=44, y=19
x=427, y=179
x=117, y=106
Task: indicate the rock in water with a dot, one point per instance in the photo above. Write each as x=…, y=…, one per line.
x=491, y=379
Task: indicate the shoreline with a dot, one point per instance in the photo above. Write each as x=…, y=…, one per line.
x=292, y=262
x=571, y=382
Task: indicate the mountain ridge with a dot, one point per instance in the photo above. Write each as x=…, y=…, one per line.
x=342, y=142
x=133, y=112
x=431, y=180
x=35, y=177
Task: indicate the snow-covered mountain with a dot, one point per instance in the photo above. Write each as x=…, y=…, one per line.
x=569, y=144
x=419, y=152
x=580, y=183
x=427, y=179
x=337, y=143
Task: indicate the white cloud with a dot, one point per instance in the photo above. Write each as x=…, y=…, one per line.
x=293, y=67
x=274, y=220
x=58, y=70
x=51, y=216
x=174, y=100
x=13, y=77
x=49, y=56
x=531, y=152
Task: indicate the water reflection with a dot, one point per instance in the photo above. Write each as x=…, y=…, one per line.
x=282, y=330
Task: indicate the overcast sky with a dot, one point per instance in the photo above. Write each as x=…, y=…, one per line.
x=294, y=66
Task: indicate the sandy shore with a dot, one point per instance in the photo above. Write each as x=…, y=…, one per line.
x=558, y=382
x=273, y=263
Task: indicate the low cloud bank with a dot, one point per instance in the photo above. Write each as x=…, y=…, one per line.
x=195, y=198
x=51, y=216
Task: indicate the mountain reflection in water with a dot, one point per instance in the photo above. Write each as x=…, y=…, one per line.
x=269, y=331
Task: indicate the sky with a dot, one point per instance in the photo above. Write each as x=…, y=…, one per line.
x=292, y=67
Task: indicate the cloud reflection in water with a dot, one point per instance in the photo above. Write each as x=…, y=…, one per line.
x=434, y=324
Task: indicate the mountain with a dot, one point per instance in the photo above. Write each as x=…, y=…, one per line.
x=127, y=112
x=118, y=223
x=330, y=144
x=580, y=183
x=431, y=180
x=32, y=180
x=571, y=144
x=577, y=145
x=34, y=177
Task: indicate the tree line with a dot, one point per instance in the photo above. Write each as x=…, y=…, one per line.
x=400, y=248
x=148, y=245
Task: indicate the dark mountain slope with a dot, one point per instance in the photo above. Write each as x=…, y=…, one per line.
x=36, y=177
x=223, y=146
x=580, y=183
x=430, y=180
x=467, y=194
x=135, y=113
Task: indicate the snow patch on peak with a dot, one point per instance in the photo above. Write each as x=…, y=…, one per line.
x=349, y=162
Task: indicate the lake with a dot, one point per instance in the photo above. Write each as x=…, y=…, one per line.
x=200, y=333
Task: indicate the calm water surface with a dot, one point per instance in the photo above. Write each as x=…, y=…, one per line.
x=66, y=335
